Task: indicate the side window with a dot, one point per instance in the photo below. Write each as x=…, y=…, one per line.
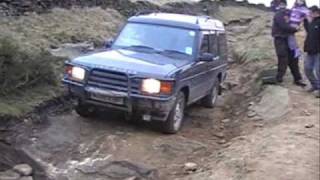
x=205, y=44
x=223, y=48
x=214, y=44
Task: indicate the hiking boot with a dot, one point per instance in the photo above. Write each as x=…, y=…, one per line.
x=300, y=83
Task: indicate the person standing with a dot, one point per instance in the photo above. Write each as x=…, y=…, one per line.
x=298, y=13
x=275, y=5
x=312, y=48
x=281, y=30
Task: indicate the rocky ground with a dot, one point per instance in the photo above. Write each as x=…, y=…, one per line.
x=255, y=132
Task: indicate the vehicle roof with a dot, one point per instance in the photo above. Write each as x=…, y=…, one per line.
x=180, y=20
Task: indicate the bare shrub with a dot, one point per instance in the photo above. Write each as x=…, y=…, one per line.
x=21, y=68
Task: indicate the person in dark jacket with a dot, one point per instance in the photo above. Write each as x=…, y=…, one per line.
x=281, y=30
x=275, y=5
x=312, y=48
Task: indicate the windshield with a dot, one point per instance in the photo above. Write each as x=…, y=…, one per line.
x=158, y=39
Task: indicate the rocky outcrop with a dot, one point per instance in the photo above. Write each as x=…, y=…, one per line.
x=17, y=165
x=19, y=172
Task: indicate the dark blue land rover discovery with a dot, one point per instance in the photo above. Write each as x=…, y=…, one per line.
x=158, y=64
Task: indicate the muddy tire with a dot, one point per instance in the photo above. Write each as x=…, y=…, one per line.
x=210, y=100
x=85, y=110
x=176, y=116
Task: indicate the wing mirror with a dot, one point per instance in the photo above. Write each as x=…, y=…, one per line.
x=207, y=57
x=108, y=43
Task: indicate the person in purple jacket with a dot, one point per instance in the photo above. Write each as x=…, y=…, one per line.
x=299, y=12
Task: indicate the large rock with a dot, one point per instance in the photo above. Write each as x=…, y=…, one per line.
x=9, y=175
x=23, y=169
x=104, y=168
x=125, y=169
x=274, y=103
x=9, y=157
x=72, y=50
x=26, y=178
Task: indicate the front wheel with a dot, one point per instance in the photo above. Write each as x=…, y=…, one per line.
x=210, y=100
x=85, y=110
x=176, y=116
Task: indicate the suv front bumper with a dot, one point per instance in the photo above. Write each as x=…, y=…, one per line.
x=154, y=108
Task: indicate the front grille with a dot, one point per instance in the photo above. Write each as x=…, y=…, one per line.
x=111, y=80
x=135, y=86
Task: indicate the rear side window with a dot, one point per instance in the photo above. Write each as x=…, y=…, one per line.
x=205, y=44
x=223, y=48
x=214, y=44
x=210, y=43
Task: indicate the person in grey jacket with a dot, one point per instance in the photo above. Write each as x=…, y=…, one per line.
x=312, y=48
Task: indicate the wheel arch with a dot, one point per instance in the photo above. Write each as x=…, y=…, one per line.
x=220, y=79
x=186, y=91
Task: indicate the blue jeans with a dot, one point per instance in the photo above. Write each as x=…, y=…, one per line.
x=293, y=45
x=312, y=69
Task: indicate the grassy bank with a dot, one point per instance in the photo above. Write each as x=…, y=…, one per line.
x=29, y=74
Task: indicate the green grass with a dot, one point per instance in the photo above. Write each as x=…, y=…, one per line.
x=22, y=102
x=47, y=30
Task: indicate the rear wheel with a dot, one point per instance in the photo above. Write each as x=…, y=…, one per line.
x=85, y=110
x=210, y=100
x=176, y=116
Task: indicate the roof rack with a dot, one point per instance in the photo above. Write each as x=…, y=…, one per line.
x=205, y=17
x=145, y=12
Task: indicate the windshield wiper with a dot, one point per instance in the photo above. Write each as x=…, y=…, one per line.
x=167, y=51
x=140, y=47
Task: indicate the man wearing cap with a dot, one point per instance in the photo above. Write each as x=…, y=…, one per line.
x=281, y=30
x=312, y=48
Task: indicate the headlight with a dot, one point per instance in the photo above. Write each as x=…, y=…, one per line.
x=78, y=73
x=153, y=86
x=75, y=73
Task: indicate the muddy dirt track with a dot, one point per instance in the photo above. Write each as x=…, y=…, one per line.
x=109, y=147
x=81, y=148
